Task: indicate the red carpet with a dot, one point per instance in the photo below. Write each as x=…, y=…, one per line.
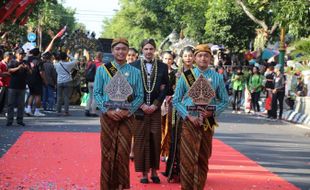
x=72, y=161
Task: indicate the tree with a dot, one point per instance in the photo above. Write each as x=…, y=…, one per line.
x=132, y=22
x=139, y=19
x=46, y=18
x=292, y=15
x=231, y=23
x=49, y=17
x=228, y=25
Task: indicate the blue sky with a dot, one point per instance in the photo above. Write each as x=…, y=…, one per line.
x=93, y=12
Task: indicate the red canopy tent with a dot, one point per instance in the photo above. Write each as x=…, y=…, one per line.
x=13, y=9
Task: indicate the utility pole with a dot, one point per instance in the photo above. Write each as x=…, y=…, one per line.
x=282, y=49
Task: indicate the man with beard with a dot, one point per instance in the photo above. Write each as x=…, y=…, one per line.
x=148, y=131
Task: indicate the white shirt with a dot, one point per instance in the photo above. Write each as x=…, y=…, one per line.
x=62, y=75
x=149, y=67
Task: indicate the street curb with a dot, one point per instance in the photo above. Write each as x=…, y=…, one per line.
x=296, y=117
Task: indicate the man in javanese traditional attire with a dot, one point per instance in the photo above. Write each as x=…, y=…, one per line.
x=198, y=126
x=117, y=123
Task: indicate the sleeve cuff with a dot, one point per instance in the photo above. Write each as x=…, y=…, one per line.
x=156, y=103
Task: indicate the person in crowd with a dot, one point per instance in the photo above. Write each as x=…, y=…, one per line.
x=4, y=79
x=35, y=82
x=117, y=125
x=197, y=132
x=172, y=171
x=166, y=107
x=64, y=81
x=247, y=94
x=269, y=86
x=227, y=79
x=90, y=109
x=81, y=74
x=132, y=55
x=155, y=79
x=238, y=83
x=49, y=88
x=278, y=92
x=19, y=70
x=255, y=87
x=300, y=88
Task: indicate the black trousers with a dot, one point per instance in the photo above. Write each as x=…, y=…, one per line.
x=3, y=98
x=237, y=100
x=277, y=101
x=16, y=98
x=255, y=98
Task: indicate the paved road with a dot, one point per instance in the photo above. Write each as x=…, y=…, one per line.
x=280, y=147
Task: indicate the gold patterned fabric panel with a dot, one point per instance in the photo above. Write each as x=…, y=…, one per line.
x=115, y=147
x=195, y=151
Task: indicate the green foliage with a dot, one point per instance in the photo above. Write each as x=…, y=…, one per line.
x=140, y=19
x=51, y=16
x=131, y=22
x=188, y=16
x=48, y=15
x=213, y=21
x=301, y=50
x=227, y=24
x=293, y=15
x=14, y=34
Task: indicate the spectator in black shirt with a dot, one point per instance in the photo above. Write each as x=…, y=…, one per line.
x=269, y=86
x=300, y=88
x=278, y=92
x=35, y=82
x=19, y=70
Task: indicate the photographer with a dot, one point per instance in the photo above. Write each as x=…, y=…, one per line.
x=19, y=71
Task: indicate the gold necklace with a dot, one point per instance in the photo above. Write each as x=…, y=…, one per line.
x=143, y=68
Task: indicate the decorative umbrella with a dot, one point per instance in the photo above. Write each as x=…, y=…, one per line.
x=268, y=53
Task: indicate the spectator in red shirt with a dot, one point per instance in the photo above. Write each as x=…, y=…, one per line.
x=4, y=79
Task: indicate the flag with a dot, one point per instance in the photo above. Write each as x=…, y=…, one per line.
x=8, y=9
x=61, y=32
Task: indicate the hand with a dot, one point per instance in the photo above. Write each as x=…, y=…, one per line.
x=206, y=114
x=147, y=109
x=25, y=66
x=112, y=114
x=152, y=109
x=144, y=107
x=274, y=91
x=194, y=120
x=123, y=113
x=20, y=66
